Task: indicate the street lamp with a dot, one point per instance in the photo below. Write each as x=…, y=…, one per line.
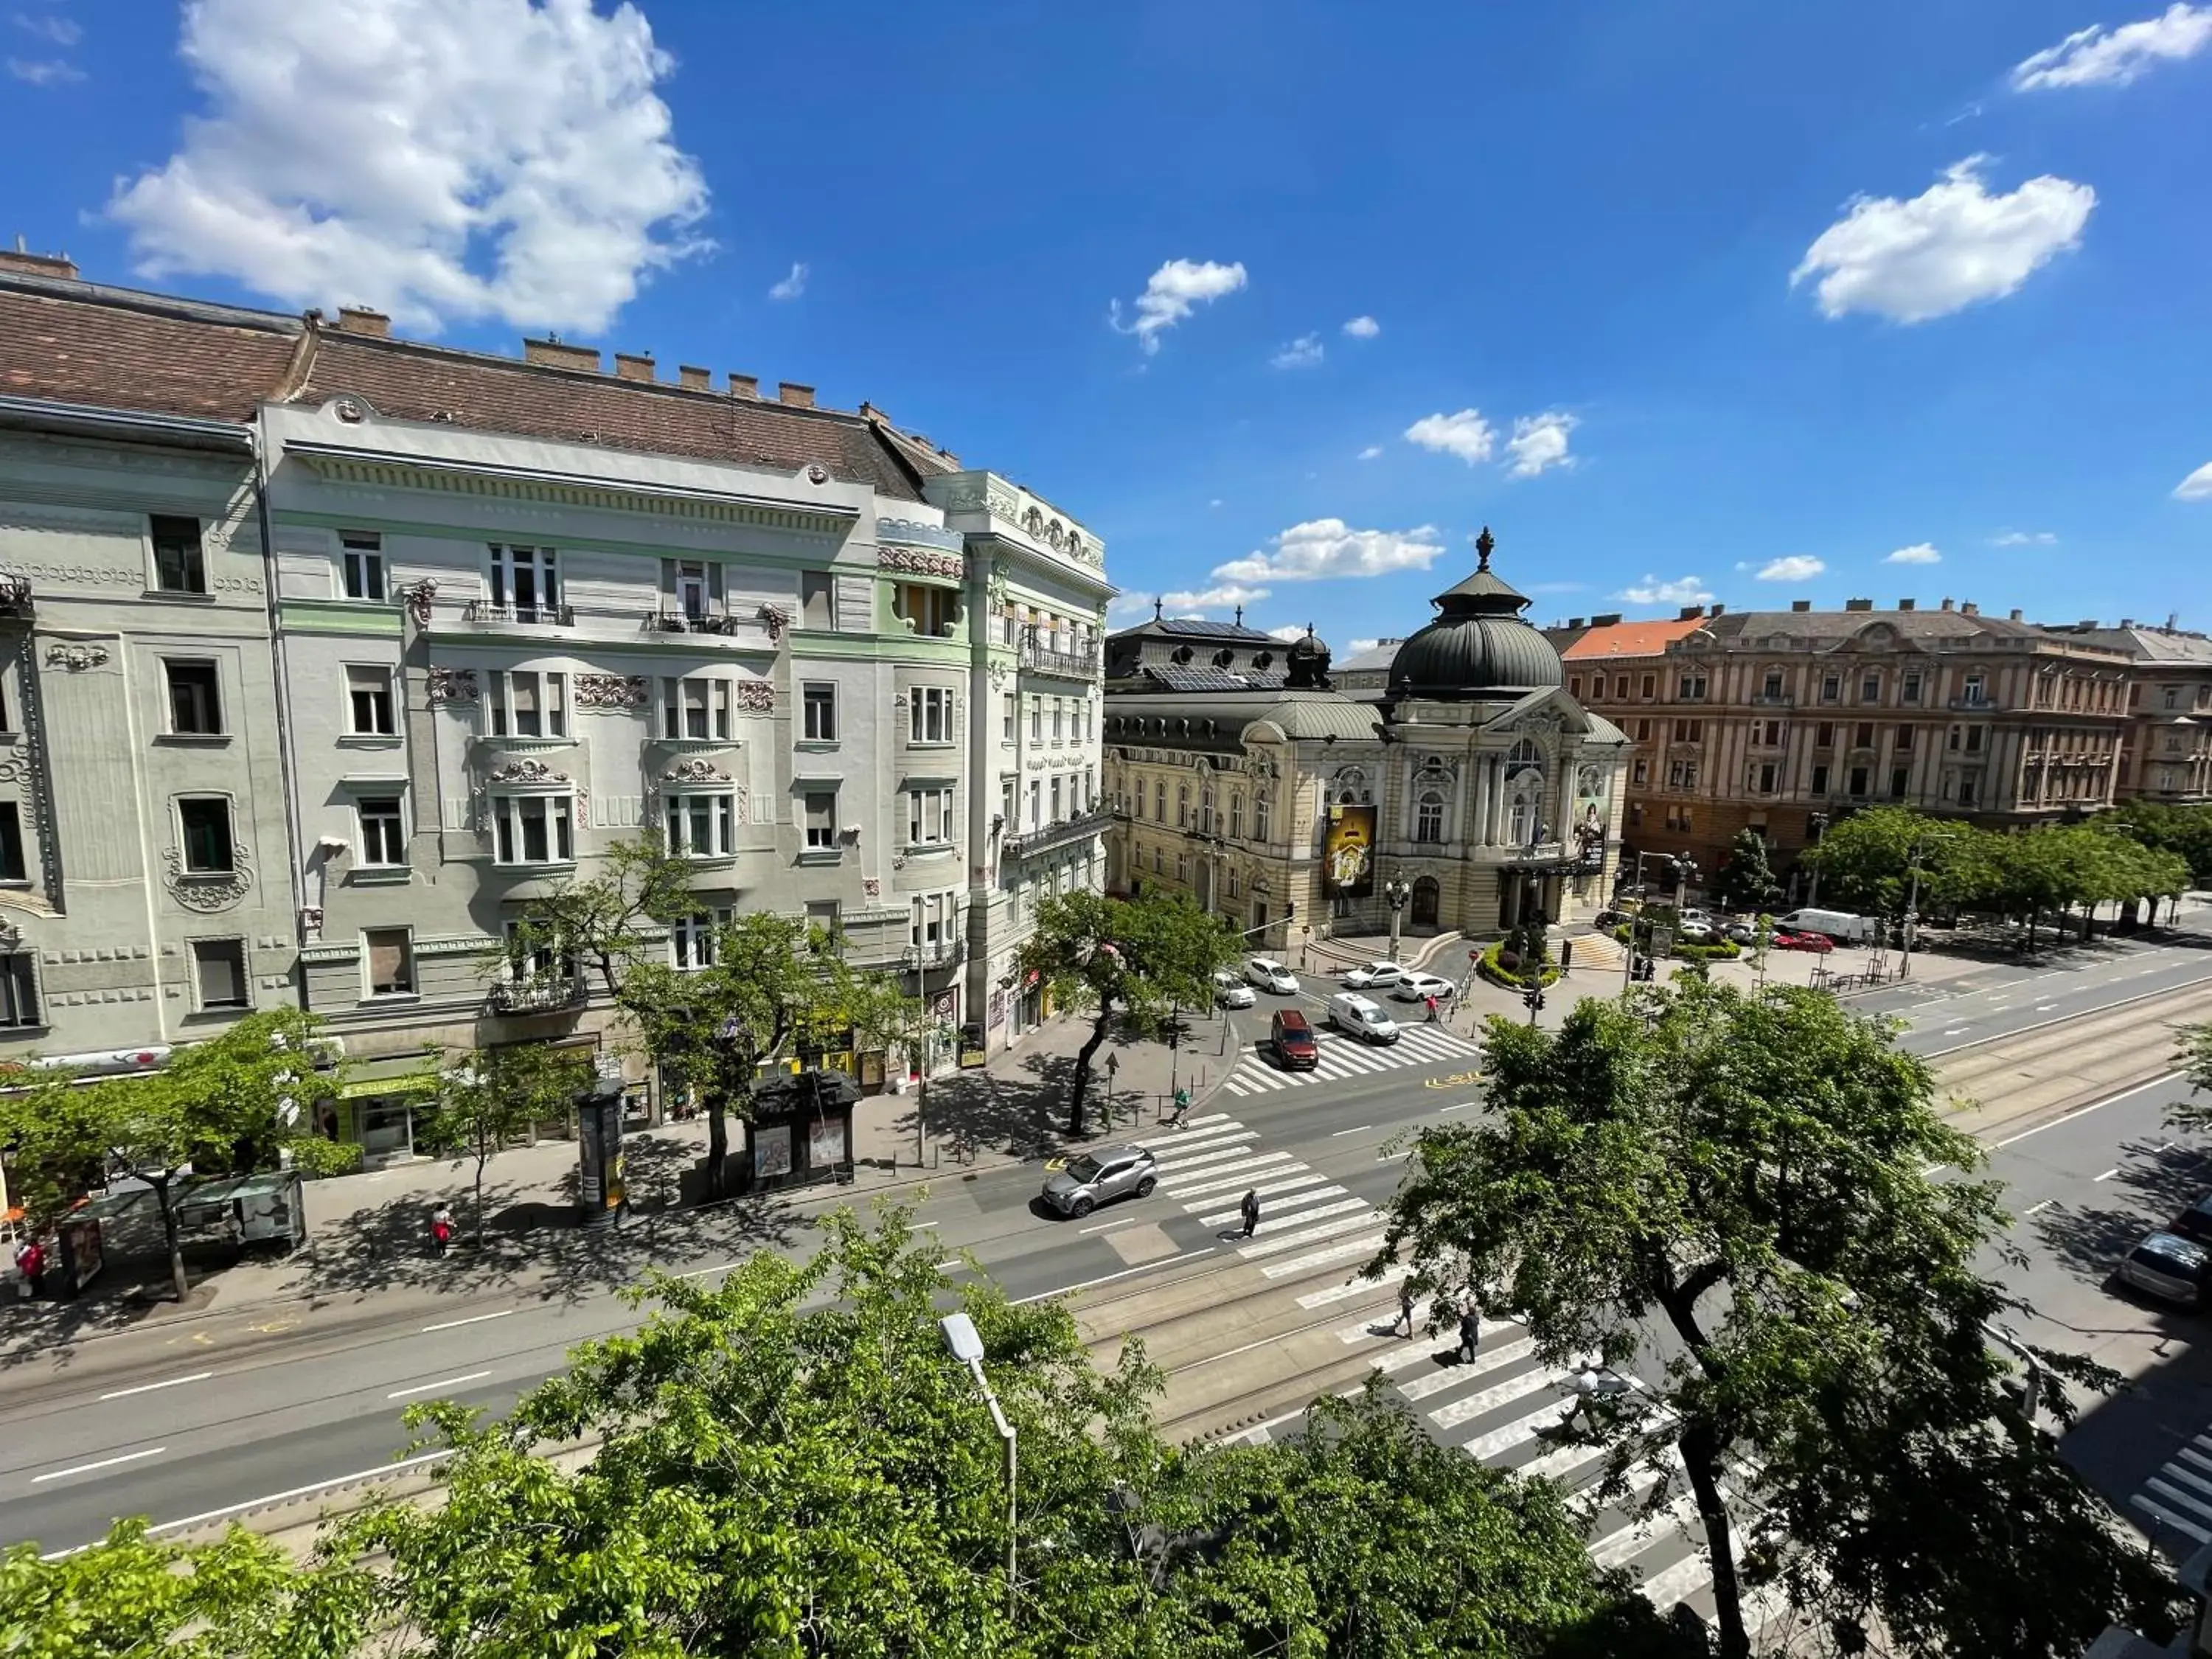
x=1913, y=896
x=965, y=1344
x=1395, y=892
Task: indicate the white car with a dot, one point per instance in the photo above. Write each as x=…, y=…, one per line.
x=1374, y=976
x=1420, y=987
x=1270, y=975
x=1232, y=992
x=1694, y=931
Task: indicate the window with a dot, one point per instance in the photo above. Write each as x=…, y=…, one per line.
x=820, y=809
x=1159, y=801
x=1767, y=734
x=1056, y=813
x=1824, y=735
x=362, y=557
x=1966, y=790
x=1620, y=687
x=391, y=962
x=368, y=699
x=691, y=940
x=1036, y=805
x=1974, y=740
x=701, y=826
x=1898, y=777
x=934, y=916
x=12, y=867
x=694, y=710
x=1771, y=687
x=929, y=816
x=1160, y=864
x=1908, y=689
x=2172, y=696
x=525, y=703
x=1651, y=687
x=19, y=991
x=4, y=726
x=824, y=914
x=535, y=828
x=1692, y=687
x=1182, y=806
x=1819, y=780
x=1058, y=719
x=1261, y=815
x=1641, y=772
x=1858, y=777
x=1903, y=739
x=219, y=971
x=691, y=584
x=818, y=601
x=931, y=612
x=1764, y=779
x=1831, y=688
x=1574, y=686
x=1870, y=687
x=1036, y=718
x=1429, y=816
x=1235, y=817
x=929, y=714
x=820, y=700
x=1971, y=690
x=1680, y=774
x=533, y=956
x=1863, y=737
x=179, y=567
x=1010, y=717
x=1689, y=730
x=1643, y=730
x=204, y=826
x=195, y=698
x=383, y=835
x=526, y=584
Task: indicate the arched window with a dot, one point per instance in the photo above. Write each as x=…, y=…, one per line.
x=1521, y=820
x=1235, y=817
x=1159, y=801
x=1182, y=806
x=1351, y=786
x=1261, y=815
x=1429, y=816
x=1523, y=753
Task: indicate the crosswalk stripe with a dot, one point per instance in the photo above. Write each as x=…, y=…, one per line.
x=1235, y=1087
x=2174, y=1494
x=1353, y=1287
x=2191, y=1454
x=2188, y=1477
x=1485, y=1361
x=1203, y=1140
x=1496, y=1443
x=1173, y=1135
x=1365, y=1331
x=1490, y=1398
x=1322, y=1258
x=1560, y=1462
x=1365, y=1217
x=1287, y=1190
x=1629, y=1540
x=1687, y=1576
x=1168, y=1167
x=1273, y=1163
x=1291, y=1211
x=2171, y=1519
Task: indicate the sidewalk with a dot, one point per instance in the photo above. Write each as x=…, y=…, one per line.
x=369, y=1234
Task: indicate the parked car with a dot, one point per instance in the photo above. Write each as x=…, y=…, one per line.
x=1098, y=1177
x=1270, y=975
x=1740, y=932
x=1840, y=925
x=1618, y=916
x=1232, y=992
x=1374, y=976
x=1354, y=1015
x=1819, y=943
x=1693, y=917
x=1691, y=931
x=1296, y=1049
x=2195, y=1223
x=1420, y=987
x=2167, y=1266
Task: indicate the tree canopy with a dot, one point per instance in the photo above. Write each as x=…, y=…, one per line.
x=496, y=1094
x=1746, y=877
x=1748, y=1173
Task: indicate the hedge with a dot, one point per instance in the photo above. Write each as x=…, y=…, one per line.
x=1491, y=970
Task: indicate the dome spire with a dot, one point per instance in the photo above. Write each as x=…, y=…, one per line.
x=1483, y=545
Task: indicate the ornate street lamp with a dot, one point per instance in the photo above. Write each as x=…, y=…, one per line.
x=1395, y=892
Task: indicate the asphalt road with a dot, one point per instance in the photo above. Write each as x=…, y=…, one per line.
x=192, y=1425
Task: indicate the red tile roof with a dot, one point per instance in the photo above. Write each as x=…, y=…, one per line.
x=73, y=342
x=1636, y=639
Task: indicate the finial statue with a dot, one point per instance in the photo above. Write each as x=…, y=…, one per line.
x=1483, y=544
x=1156, y=602
x=1240, y=616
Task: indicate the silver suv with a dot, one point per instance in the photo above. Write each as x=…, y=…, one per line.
x=1093, y=1178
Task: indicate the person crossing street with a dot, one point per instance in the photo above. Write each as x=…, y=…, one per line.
x=1250, y=1206
x=1470, y=1331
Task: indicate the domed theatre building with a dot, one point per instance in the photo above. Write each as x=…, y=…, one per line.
x=1469, y=782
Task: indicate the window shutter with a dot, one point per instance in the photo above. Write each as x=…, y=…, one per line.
x=668, y=579
x=386, y=956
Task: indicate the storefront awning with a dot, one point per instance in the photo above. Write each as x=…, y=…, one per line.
x=409, y=1083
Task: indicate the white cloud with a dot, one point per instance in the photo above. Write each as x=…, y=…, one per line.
x=1216, y=502
x=1791, y=568
x=791, y=286
x=2023, y=538
x=1684, y=590
x=1358, y=646
x=1325, y=548
x=1302, y=353
x=1288, y=632
x=1373, y=452
x=502, y=159
x=61, y=31
x=1465, y=435
x=2098, y=55
x=1174, y=291
x=2196, y=487
x=1953, y=245
x=1129, y=607
x=1220, y=597
x=1363, y=328
x=1918, y=553
x=1540, y=441
x=44, y=71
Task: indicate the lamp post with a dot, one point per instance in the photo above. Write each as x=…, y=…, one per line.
x=1912, y=898
x=1395, y=893
x=965, y=1344
x=1818, y=823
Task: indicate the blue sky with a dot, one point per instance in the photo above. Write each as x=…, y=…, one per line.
x=1575, y=226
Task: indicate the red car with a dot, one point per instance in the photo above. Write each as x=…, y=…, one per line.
x=1821, y=944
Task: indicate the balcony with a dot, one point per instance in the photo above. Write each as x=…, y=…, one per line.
x=540, y=616
x=689, y=622
x=534, y=996
x=15, y=599
x=1040, y=658
x=1973, y=703
x=1053, y=836
x=1774, y=699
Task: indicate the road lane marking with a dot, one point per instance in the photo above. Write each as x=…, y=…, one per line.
x=1953, y=1031
x=951, y=1264
x=2045, y=1008
x=148, y=1388
x=1465, y=1105
x=700, y=1272
x=2033, y=1209
x=1121, y=1221
x=473, y=1319
x=2083, y=1111
x=425, y=1387
x=1361, y=1130
x=2110, y=1173
x=206, y=1515
x=104, y=1463
x=1108, y=1279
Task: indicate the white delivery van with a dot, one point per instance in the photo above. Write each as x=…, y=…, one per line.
x=1840, y=925
x=1354, y=1014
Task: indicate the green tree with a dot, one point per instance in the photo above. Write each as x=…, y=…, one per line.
x=496, y=1094
x=602, y=921
x=1133, y=960
x=2192, y=1058
x=2185, y=832
x=1746, y=877
x=1865, y=860
x=1747, y=1172
x=235, y=1103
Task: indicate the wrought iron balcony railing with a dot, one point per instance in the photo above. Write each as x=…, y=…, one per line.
x=548, y=616
x=1052, y=837
x=534, y=996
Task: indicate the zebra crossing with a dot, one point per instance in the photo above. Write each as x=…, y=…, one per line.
x=1307, y=1220
x=2178, y=1497
x=1345, y=1057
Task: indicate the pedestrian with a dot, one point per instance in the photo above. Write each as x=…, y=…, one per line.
x=1433, y=1010
x=1251, y=1209
x=1470, y=1330
x=442, y=1229
x=1405, y=1311
x=1566, y=956
x=30, y=1263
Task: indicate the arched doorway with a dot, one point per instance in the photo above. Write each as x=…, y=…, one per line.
x=1428, y=901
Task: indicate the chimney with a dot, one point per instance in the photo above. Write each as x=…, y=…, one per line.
x=2127, y=622
x=2015, y=613
x=1970, y=609
x=1858, y=605
x=745, y=385
x=634, y=366
x=1800, y=604
x=24, y=263
x=695, y=379
x=551, y=353
x=1717, y=610
x=791, y=392
x=1907, y=604
x=1574, y=622
x=1946, y=603
x=360, y=319
x=1611, y=619
x=2083, y=626
x=1690, y=613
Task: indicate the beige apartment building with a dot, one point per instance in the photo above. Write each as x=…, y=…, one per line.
x=1780, y=720
x=2168, y=753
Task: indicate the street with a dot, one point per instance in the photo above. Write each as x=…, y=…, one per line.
x=261, y=1408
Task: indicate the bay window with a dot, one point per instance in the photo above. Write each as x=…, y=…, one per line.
x=701, y=826
x=534, y=828
x=929, y=816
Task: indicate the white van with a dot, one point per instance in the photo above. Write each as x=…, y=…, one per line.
x=1840, y=925
x=1358, y=1017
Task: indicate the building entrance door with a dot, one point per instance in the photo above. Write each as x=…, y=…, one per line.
x=1428, y=901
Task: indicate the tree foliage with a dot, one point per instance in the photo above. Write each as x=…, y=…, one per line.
x=2184, y=831
x=1746, y=877
x=497, y=1094
x=1131, y=960
x=602, y=921
x=1748, y=1173
x=2192, y=1058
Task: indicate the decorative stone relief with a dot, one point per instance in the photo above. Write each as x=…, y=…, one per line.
x=922, y=561
x=697, y=770
x=76, y=658
x=214, y=892
x=418, y=598
x=774, y=618
x=756, y=696
x=612, y=692
x=453, y=685
x=68, y=575
x=872, y=887
x=528, y=771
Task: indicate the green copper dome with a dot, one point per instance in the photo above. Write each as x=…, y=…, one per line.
x=1478, y=646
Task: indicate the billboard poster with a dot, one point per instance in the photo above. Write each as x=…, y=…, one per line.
x=1348, y=854
x=771, y=1150
x=825, y=1142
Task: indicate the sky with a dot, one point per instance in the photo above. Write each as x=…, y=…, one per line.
x=1744, y=302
